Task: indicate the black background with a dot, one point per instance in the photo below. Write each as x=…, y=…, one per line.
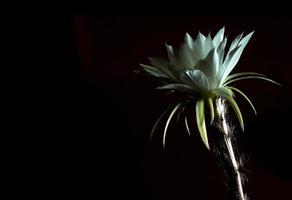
x=107, y=111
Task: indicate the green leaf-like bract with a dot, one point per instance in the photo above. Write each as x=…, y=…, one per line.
x=200, y=116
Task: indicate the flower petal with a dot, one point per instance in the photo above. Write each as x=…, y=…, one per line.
x=199, y=46
x=159, y=62
x=163, y=65
x=235, y=42
x=233, y=59
x=213, y=65
x=178, y=87
x=221, y=50
x=209, y=66
x=187, y=58
x=189, y=41
x=172, y=55
x=208, y=46
x=201, y=39
x=230, y=58
x=218, y=37
x=246, y=39
x=199, y=78
x=155, y=72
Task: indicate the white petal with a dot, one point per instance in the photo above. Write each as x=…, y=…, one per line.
x=208, y=46
x=199, y=78
x=245, y=40
x=204, y=66
x=202, y=38
x=178, y=87
x=235, y=42
x=155, y=72
x=213, y=60
x=189, y=41
x=218, y=37
x=235, y=55
x=187, y=57
x=164, y=66
x=209, y=66
x=171, y=54
x=187, y=80
x=221, y=50
x=158, y=62
x=199, y=46
x=230, y=59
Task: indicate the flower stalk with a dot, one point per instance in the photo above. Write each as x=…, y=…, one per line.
x=227, y=154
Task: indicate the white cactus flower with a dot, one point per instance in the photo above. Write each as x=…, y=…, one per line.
x=201, y=70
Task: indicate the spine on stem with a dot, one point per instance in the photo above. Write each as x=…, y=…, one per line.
x=227, y=154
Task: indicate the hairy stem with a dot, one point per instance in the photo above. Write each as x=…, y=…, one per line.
x=227, y=153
